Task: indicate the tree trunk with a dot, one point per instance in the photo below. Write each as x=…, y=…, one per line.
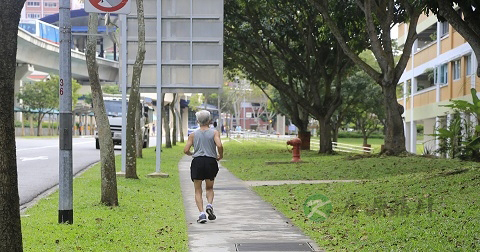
x=305, y=137
x=39, y=125
x=166, y=125
x=178, y=114
x=335, y=133
x=325, y=136
x=134, y=98
x=10, y=225
x=394, y=134
x=174, y=121
x=32, y=132
x=139, y=131
x=365, y=138
x=109, y=195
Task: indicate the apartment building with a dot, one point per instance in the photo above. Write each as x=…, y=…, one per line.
x=36, y=9
x=441, y=67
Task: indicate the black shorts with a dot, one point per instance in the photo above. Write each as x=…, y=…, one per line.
x=203, y=168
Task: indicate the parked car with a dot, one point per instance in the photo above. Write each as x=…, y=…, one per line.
x=191, y=129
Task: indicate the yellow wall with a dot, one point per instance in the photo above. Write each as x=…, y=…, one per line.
x=408, y=103
x=401, y=29
x=468, y=80
x=424, y=98
x=445, y=44
x=458, y=89
x=477, y=82
x=457, y=39
x=426, y=55
x=444, y=93
x=409, y=64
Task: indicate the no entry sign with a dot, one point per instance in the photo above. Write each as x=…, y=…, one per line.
x=108, y=6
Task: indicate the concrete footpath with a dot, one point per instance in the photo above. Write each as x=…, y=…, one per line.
x=244, y=221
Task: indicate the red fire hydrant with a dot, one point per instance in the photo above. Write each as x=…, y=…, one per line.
x=296, y=142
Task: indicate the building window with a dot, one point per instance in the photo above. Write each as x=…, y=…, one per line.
x=443, y=29
x=456, y=69
x=442, y=74
x=50, y=4
x=468, y=61
x=33, y=4
x=33, y=15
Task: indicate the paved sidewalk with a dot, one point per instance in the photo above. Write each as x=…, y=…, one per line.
x=244, y=221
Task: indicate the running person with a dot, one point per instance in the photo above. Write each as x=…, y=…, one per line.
x=204, y=165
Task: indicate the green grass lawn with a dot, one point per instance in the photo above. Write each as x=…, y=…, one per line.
x=150, y=216
x=407, y=204
x=317, y=166
x=375, y=142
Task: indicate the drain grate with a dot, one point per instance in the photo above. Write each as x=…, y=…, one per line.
x=278, y=246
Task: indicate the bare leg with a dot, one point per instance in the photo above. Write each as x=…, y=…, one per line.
x=198, y=194
x=209, y=188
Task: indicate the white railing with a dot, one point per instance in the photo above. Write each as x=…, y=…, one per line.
x=241, y=136
x=252, y=136
x=350, y=148
x=342, y=147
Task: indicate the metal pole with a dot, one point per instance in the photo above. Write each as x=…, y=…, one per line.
x=65, y=203
x=220, y=121
x=123, y=59
x=159, y=88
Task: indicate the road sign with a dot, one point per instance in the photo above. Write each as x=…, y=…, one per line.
x=108, y=6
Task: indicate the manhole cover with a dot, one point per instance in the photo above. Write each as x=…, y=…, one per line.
x=285, y=246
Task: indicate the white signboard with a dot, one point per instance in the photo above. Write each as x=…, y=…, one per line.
x=108, y=6
x=184, y=46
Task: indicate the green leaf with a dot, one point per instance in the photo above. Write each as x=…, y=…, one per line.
x=474, y=142
x=477, y=128
x=444, y=132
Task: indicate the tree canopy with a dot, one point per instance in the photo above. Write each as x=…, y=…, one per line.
x=43, y=95
x=378, y=18
x=286, y=44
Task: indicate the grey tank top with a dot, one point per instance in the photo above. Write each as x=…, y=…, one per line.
x=203, y=143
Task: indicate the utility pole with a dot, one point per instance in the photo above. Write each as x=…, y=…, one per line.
x=65, y=175
x=244, y=109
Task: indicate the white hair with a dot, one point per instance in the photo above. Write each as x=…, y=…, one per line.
x=203, y=117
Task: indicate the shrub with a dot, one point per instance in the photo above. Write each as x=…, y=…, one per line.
x=355, y=134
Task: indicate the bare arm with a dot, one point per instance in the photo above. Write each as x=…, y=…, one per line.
x=218, y=143
x=189, y=144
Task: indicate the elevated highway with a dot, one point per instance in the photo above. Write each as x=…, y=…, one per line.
x=40, y=55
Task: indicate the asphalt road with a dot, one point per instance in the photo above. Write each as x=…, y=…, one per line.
x=37, y=163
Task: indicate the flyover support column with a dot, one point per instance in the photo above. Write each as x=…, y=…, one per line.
x=21, y=71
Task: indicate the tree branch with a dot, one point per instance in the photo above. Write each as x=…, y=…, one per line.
x=322, y=8
x=377, y=48
x=407, y=48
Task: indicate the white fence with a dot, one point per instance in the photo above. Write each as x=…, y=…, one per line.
x=252, y=136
